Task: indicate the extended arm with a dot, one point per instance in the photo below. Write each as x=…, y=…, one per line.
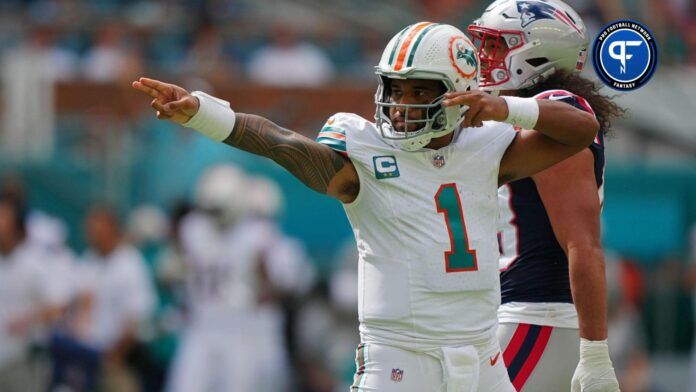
x=316, y=165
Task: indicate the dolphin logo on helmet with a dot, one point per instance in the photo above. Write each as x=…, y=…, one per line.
x=430, y=51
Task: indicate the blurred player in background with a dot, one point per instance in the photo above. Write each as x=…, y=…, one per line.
x=234, y=338
x=44, y=231
x=286, y=263
x=419, y=188
x=551, y=248
x=30, y=298
x=115, y=296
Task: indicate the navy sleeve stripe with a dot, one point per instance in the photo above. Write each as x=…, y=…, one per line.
x=564, y=95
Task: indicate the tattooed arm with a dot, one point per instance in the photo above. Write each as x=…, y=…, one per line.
x=316, y=165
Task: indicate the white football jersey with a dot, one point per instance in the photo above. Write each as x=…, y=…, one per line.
x=222, y=270
x=25, y=287
x=425, y=226
x=121, y=289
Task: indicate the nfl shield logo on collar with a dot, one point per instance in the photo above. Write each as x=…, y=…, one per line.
x=438, y=161
x=397, y=375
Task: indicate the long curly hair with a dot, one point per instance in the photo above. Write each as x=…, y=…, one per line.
x=605, y=109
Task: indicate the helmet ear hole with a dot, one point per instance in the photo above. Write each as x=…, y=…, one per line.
x=386, y=93
x=537, y=61
x=387, y=83
x=443, y=88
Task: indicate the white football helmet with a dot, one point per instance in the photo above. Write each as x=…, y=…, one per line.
x=431, y=51
x=147, y=223
x=265, y=197
x=541, y=36
x=221, y=191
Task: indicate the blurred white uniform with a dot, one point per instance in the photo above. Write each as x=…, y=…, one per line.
x=425, y=227
x=122, y=293
x=50, y=234
x=233, y=342
x=26, y=287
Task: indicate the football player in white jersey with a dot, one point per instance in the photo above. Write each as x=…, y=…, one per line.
x=552, y=259
x=420, y=189
x=30, y=298
x=232, y=341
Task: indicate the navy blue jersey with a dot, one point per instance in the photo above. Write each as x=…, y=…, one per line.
x=533, y=266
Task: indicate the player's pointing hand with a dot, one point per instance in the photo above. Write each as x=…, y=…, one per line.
x=482, y=106
x=169, y=100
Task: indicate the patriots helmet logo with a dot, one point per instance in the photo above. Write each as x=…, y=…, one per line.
x=533, y=10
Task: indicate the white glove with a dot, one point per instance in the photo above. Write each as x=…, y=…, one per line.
x=594, y=372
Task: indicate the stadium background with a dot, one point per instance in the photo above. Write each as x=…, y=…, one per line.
x=73, y=133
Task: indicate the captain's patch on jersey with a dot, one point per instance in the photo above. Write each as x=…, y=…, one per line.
x=385, y=167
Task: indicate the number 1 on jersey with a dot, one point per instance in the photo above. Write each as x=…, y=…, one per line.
x=460, y=257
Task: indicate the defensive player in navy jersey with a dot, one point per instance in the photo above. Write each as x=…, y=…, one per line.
x=552, y=268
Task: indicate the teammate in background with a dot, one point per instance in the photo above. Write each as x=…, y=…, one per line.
x=287, y=263
x=46, y=232
x=92, y=349
x=229, y=295
x=551, y=249
x=420, y=190
x=30, y=298
x=287, y=267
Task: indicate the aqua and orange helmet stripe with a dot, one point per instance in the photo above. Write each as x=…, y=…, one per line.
x=396, y=45
x=417, y=32
x=415, y=45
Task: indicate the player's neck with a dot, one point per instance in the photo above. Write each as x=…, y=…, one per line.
x=10, y=244
x=108, y=247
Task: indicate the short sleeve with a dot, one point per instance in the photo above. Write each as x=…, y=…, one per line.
x=575, y=101
x=333, y=133
x=567, y=97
